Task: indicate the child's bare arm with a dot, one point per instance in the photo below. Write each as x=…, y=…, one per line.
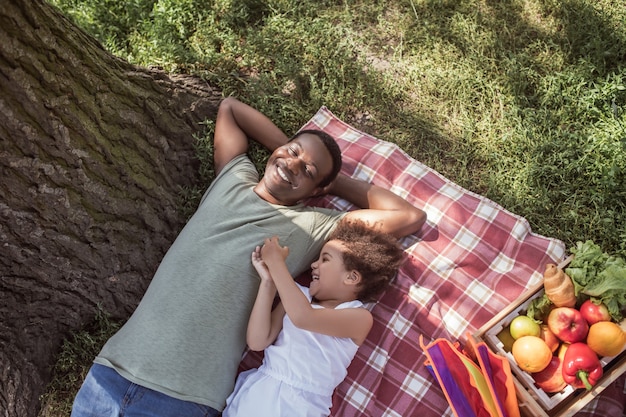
x=354, y=323
x=260, y=266
x=265, y=323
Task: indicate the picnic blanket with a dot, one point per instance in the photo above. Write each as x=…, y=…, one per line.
x=471, y=260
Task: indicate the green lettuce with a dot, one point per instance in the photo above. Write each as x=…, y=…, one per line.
x=538, y=308
x=599, y=276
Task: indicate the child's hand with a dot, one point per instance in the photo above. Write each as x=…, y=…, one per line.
x=260, y=266
x=272, y=251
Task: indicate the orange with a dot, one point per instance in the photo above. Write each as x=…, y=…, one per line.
x=606, y=338
x=531, y=353
x=561, y=352
x=549, y=337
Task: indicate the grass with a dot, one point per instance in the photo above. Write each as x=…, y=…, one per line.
x=521, y=101
x=73, y=363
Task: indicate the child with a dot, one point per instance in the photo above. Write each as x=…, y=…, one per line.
x=308, y=350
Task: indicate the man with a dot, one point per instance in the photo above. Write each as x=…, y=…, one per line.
x=178, y=353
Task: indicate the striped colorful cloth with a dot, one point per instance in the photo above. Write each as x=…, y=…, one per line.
x=470, y=261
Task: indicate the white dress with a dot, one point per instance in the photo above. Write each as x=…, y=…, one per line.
x=298, y=375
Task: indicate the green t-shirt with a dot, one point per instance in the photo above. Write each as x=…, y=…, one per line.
x=187, y=335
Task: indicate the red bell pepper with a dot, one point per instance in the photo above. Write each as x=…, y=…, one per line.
x=581, y=366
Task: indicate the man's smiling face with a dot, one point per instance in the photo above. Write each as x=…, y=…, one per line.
x=295, y=170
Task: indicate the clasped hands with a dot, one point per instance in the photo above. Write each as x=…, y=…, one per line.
x=270, y=252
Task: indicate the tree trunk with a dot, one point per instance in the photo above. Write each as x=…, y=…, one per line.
x=94, y=154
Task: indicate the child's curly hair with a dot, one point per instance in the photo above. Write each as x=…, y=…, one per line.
x=376, y=255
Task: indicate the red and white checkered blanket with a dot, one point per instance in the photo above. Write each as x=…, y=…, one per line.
x=471, y=260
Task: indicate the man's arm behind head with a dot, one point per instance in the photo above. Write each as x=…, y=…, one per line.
x=379, y=207
x=236, y=123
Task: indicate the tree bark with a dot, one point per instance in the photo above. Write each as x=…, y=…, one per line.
x=94, y=154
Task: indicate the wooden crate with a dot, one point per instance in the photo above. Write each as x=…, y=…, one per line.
x=533, y=401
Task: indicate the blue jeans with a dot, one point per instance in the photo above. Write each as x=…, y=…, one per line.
x=105, y=393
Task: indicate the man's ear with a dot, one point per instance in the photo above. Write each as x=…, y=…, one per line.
x=321, y=191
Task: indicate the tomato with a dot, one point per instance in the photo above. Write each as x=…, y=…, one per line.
x=593, y=312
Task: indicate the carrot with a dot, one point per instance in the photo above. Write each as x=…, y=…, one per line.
x=558, y=287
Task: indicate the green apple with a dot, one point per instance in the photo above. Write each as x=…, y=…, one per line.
x=524, y=326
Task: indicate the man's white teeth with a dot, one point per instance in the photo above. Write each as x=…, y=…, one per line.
x=281, y=173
